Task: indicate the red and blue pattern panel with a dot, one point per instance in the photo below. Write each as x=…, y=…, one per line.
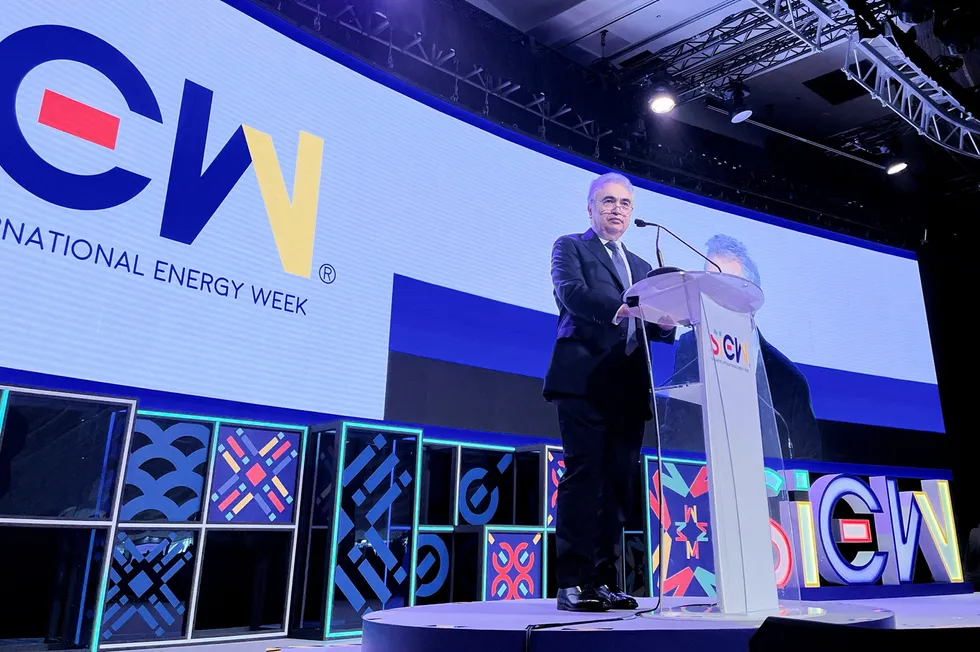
x=513, y=565
x=555, y=472
x=254, y=475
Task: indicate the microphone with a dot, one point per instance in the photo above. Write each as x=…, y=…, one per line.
x=642, y=223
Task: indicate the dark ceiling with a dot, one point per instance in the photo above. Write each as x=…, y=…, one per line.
x=708, y=44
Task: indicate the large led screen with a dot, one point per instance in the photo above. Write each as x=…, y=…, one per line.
x=198, y=198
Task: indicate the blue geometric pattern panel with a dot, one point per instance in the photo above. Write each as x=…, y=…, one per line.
x=513, y=565
x=686, y=517
x=374, y=526
x=254, y=475
x=484, y=475
x=433, y=568
x=165, y=473
x=149, y=586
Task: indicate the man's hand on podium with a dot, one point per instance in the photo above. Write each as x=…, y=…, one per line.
x=647, y=313
x=624, y=312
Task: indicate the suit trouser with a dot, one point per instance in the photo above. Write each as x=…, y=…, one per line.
x=595, y=496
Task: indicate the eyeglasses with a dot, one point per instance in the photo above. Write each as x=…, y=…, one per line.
x=609, y=204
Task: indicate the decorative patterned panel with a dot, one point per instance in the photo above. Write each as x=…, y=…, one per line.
x=555, y=472
x=434, y=562
x=484, y=476
x=149, y=586
x=373, y=555
x=166, y=470
x=686, y=538
x=513, y=565
x=254, y=475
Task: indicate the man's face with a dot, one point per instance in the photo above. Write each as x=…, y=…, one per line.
x=727, y=265
x=610, y=209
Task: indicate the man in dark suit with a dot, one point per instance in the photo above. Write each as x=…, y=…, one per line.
x=783, y=388
x=599, y=383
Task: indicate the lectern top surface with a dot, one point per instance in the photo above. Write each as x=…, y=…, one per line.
x=678, y=294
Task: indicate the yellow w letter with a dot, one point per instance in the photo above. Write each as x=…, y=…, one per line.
x=293, y=222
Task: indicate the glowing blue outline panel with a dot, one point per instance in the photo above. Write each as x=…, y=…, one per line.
x=373, y=481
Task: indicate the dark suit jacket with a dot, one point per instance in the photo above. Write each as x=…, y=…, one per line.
x=589, y=358
x=789, y=392
x=973, y=558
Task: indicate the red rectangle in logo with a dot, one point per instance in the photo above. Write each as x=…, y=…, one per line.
x=81, y=120
x=854, y=530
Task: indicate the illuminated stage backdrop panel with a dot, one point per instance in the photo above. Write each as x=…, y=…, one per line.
x=208, y=211
x=847, y=532
x=513, y=563
x=207, y=534
x=62, y=457
x=373, y=540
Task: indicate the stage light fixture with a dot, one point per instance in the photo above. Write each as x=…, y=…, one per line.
x=895, y=166
x=738, y=111
x=662, y=102
x=662, y=98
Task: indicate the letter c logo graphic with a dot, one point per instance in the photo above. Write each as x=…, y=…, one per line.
x=29, y=48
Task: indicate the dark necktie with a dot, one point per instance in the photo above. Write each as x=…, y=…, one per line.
x=624, y=278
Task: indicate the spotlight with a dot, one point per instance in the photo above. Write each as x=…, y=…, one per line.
x=895, y=165
x=738, y=112
x=662, y=102
x=662, y=98
x=741, y=115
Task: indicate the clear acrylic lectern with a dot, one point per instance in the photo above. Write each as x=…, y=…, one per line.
x=717, y=396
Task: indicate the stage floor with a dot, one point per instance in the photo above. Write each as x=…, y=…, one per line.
x=906, y=613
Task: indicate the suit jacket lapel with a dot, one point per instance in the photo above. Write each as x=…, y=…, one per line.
x=595, y=245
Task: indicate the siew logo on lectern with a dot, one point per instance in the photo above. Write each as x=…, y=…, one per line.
x=194, y=192
x=727, y=347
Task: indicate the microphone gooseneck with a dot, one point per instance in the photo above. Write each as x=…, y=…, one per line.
x=642, y=223
x=660, y=254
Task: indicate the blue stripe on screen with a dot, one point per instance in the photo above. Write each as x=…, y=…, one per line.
x=502, y=337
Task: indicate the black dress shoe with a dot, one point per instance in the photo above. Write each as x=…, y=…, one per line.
x=616, y=598
x=580, y=598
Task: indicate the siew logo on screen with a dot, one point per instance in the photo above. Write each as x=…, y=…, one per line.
x=194, y=192
x=729, y=346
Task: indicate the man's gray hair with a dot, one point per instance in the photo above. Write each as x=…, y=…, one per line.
x=728, y=248
x=609, y=177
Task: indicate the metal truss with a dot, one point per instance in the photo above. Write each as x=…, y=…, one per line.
x=772, y=33
x=880, y=66
x=872, y=137
x=377, y=28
